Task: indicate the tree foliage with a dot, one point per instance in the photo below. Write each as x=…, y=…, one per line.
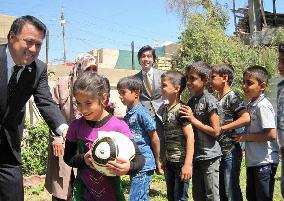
x=204, y=39
x=186, y=8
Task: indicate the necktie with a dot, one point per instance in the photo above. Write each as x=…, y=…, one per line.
x=13, y=81
x=149, y=85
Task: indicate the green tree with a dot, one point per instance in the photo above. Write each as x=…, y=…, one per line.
x=204, y=39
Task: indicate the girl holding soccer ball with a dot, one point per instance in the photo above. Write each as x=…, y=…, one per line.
x=89, y=92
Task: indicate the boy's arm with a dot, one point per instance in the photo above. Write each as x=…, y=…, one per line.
x=268, y=134
x=186, y=171
x=213, y=129
x=243, y=119
x=155, y=144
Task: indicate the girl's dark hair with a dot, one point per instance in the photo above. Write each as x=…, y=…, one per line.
x=132, y=83
x=176, y=78
x=91, y=83
x=19, y=23
x=259, y=72
x=146, y=48
x=225, y=69
x=106, y=85
x=203, y=69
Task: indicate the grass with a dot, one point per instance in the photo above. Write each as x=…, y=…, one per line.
x=157, y=191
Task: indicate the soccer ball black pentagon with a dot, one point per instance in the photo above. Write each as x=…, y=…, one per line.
x=108, y=147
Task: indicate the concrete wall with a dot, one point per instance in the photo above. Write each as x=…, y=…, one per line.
x=107, y=58
x=5, y=24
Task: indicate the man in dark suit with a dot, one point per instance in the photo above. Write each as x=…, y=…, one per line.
x=21, y=76
x=151, y=96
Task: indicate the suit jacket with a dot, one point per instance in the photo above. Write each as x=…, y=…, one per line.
x=33, y=81
x=155, y=101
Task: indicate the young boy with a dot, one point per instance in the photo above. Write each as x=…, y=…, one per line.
x=260, y=136
x=280, y=111
x=232, y=114
x=143, y=128
x=179, y=138
x=202, y=112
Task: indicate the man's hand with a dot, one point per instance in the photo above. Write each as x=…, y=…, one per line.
x=64, y=133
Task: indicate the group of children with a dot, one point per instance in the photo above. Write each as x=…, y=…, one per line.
x=201, y=137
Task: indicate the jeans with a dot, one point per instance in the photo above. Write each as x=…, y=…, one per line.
x=140, y=184
x=230, y=165
x=282, y=171
x=205, y=180
x=260, y=182
x=177, y=190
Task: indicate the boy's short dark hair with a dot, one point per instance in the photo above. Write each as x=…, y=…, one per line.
x=225, y=69
x=146, y=48
x=281, y=47
x=132, y=83
x=203, y=69
x=259, y=72
x=176, y=78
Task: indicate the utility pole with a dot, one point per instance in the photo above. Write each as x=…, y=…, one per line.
x=46, y=46
x=254, y=15
x=63, y=35
x=132, y=54
x=235, y=20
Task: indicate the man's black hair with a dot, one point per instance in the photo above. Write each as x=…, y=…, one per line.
x=19, y=23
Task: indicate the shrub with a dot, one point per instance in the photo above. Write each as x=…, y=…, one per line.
x=35, y=149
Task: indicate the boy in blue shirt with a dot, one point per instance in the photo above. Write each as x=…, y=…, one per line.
x=260, y=137
x=202, y=112
x=143, y=128
x=232, y=114
x=179, y=138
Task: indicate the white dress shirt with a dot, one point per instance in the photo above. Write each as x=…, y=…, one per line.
x=10, y=66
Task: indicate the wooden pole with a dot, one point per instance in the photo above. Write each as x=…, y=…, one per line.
x=235, y=20
x=46, y=46
x=132, y=51
x=63, y=35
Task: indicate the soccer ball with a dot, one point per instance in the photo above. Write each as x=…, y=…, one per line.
x=107, y=147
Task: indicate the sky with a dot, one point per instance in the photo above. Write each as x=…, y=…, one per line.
x=93, y=24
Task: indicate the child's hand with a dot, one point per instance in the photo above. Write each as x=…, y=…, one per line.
x=186, y=172
x=87, y=158
x=119, y=167
x=186, y=112
x=237, y=137
x=159, y=170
